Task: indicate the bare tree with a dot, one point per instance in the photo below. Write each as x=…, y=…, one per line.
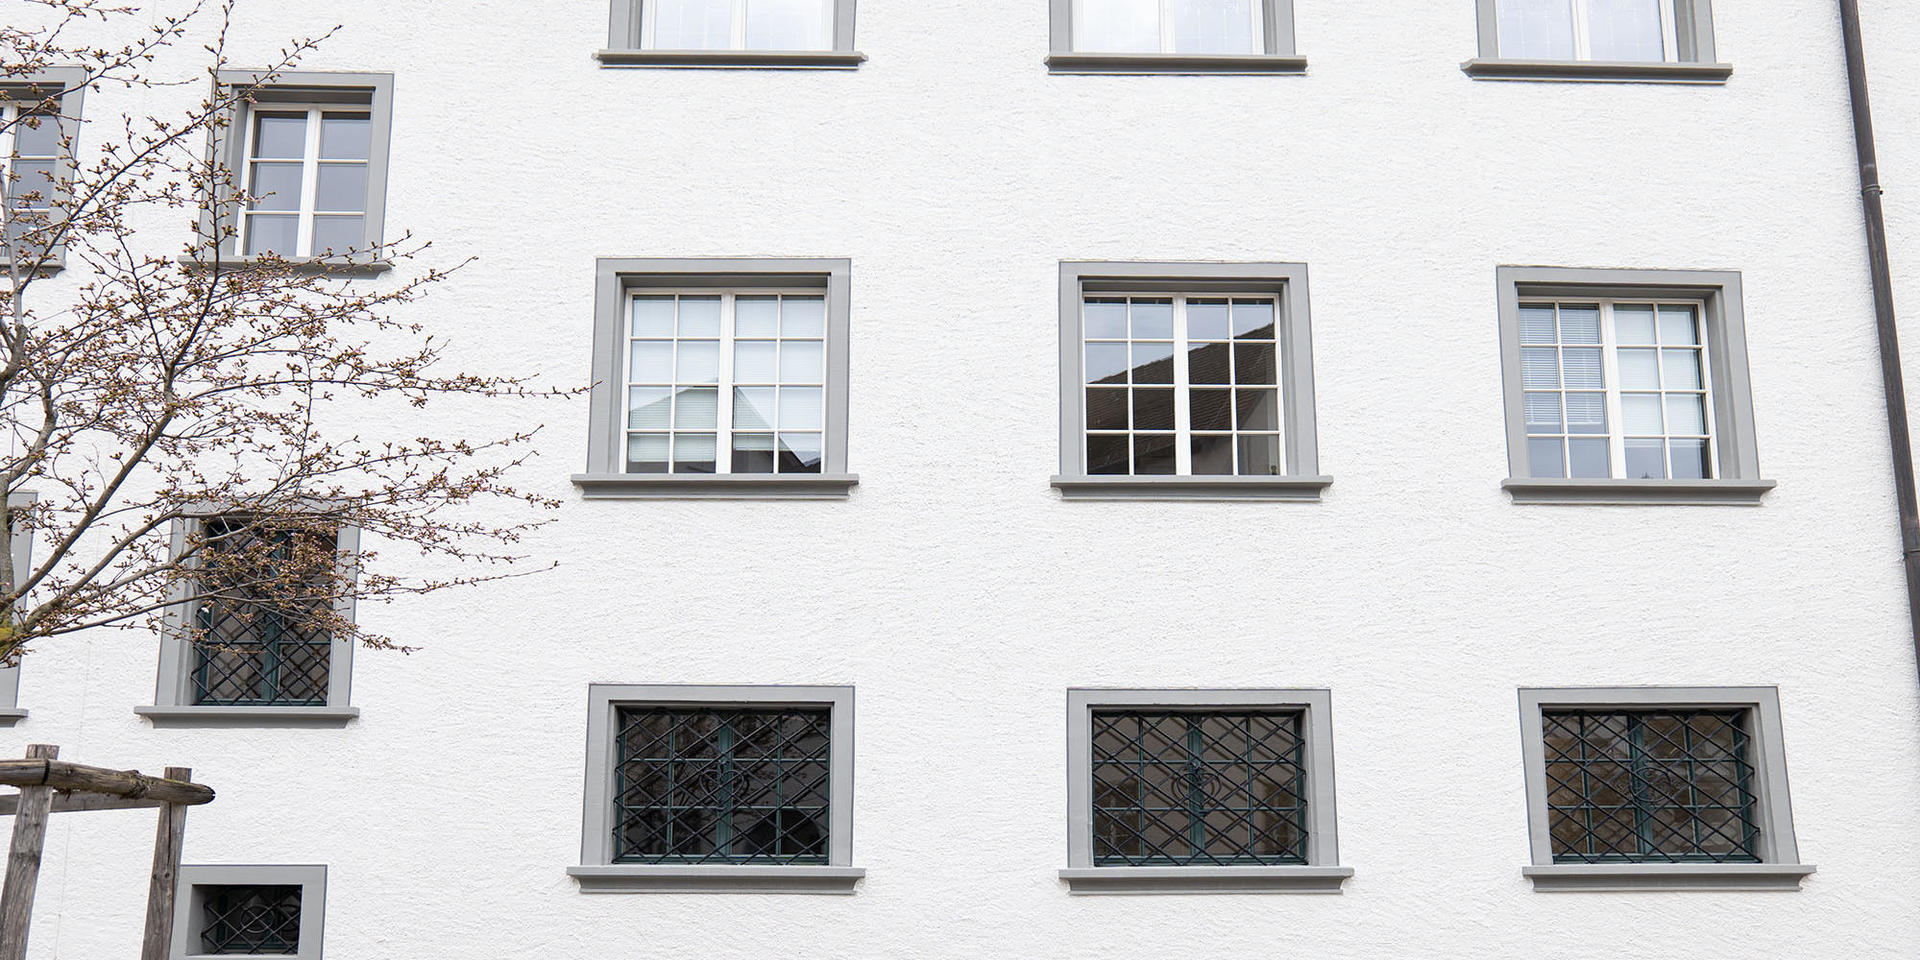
x=163, y=383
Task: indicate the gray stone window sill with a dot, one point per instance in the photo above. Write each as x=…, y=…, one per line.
x=1175, y=63
x=715, y=486
x=1298, y=489
x=1150, y=880
x=309, y=265
x=11, y=716
x=248, y=716
x=734, y=59
x=1598, y=70
x=1602, y=492
x=717, y=878
x=1604, y=877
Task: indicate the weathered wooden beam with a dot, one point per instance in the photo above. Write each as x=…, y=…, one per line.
x=67, y=801
x=157, y=941
x=23, y=858
x=78, y=777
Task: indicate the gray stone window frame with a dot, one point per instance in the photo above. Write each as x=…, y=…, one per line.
x=373, y=91
x=623, y=47
x=1280, y=57
x=173, y=704
x=1285, y=281
x=189, y=898
x=1779, y=867
x=1740, y=482
x=69, y=85
x=1697, y=63
x=597, y=873
x=10, y=711
x=1321, y=874
x=615, y=281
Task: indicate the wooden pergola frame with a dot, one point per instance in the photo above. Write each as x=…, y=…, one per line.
x=49, y=785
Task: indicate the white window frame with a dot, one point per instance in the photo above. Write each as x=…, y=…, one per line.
x=10, y=110
x=310, y=163
x=1610, y=373
x=737, y=26
x=1583, y=31
x=1168, y=35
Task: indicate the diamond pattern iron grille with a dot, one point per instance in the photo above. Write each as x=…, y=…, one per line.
x=251, y=649
x=1650, y=786
x=722, y=785
x=1186, y=788
x=250, y=920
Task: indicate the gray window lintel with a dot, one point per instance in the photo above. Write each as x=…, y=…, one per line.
x=1698, y=61
x=623, y=43
x=68, y=84
x=1279, y=36
x=187, y=920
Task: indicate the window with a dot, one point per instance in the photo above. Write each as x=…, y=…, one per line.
x=720, y=378
x=718, y=788
x=1174, y=36
x=224, y=911
x=1655, y=788
x=1186, y=791
x=1186, y=380
x=39, y=119
x=732, y=33
x=1627, y=385
x=10, y=712
x=248, y=640
x=310, y=152
x=1597, y=39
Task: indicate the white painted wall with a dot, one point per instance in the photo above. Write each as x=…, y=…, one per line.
x=961, y=596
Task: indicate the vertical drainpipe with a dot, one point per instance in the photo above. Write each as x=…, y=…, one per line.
x=1883, y=316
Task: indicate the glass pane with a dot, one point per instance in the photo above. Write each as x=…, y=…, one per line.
x=1633, y=323
x=1581, y=367
x=1539, y=368
x=1153, y=454
x=1586, y=413
x=697, y=408
x=280, y=135
x=1685, y=415
x=803, y=361
x=1677, y=326
x=692, y=24
x=1259, y=456
x=1690, y=460
x=753, y=408
x=1152, y=409
x=698, y=361
x=648, y=407
x=756, y=316
x=693, y=453
x=752, y=452
x=1624, y=30
x=1152, y=319
x=36, y=135
x=1536, y=324
x=1258, y=409
x=1253, y=363
x=1106, y=319
x=1207, y=320
x=344, y=136
x=755, y=361
x=272, y=233
x=1213, y=26
x=1682, y=368
x=1107, y=455
x=1253, y=319
x=1641, y=412
x=1116, y=26
x=1545, y=458
x=1579, y=323
x=1153, y=363
x=1106, y=363
x=699, y=316
x=276, y=186
x=800, y=453
x=647, y=453
x=1646, y=460
x=789, y=25
x=653, y=316
x=1211, y=409
x=800, y=408
x=1535, y=30
x=1543, y=412
x=1106, y=408
x=341, y=186
x=339, y=234
x=651, y=361
x=1639, y=370
x=1212, y=455
x=803, y=316
x=1207, y=363
x=34, y=179
x=1588, y=458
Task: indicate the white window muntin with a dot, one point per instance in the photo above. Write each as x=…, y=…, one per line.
x=740, y=13
x=1617, y=435
x=29, y=158
x=1086, y=13
x=1581, y=14
x=727, y=386
x=306, y=209
x=1182, y=386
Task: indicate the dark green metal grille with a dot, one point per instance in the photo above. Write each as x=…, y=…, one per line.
x=1650, y=786
x=722, y=785
x=257, y=651
x=1188, y=787
x=250, y=920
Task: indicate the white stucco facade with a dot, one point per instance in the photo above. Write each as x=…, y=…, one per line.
x=961, y=596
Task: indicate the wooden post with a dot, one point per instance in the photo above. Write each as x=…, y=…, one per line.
x=23, y=860
x=158, y=938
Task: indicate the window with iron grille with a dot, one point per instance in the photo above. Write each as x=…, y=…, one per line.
x=1651, y=786
x=247, y=920
x=259, y=627
x=234, y=910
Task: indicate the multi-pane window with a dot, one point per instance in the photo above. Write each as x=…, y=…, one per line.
x=1184, y=787
x=732, y=785
x=306, y=179
x=1170, y=26
x=1651, y=786
x=737, y=24
x=30, y=152
x=724, y=382
x=259, y=629
x=1182, y=385
x=1616, y=389
x=249, y=919
x=1599, y=30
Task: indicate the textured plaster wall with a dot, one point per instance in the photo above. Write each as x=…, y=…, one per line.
x=961, y=596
